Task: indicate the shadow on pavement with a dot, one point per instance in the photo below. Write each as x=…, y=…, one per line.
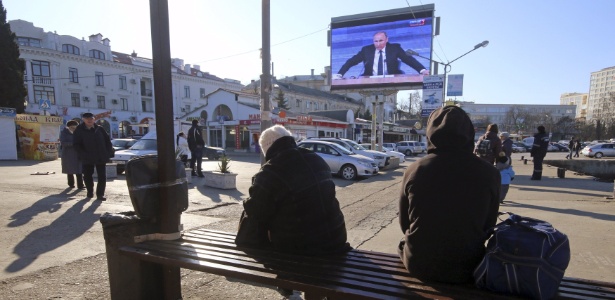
x=566, y=211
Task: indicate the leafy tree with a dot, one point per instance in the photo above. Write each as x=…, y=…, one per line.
x=279, y=98
x=12, y=89
x=367, y=115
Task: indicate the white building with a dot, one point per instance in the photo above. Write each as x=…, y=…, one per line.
x=601, y=104
x=78, y=75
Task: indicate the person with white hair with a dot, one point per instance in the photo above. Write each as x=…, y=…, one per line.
x=292, y=206
x=507, y=144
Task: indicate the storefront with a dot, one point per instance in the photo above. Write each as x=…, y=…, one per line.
x=39, y=136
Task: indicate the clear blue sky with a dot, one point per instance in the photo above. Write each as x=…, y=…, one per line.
x=537, y=49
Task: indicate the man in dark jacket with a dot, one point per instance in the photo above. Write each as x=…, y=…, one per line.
x=449, y=198
x=196, y=144
x=539, y=151
x=292, y=205
x=94, y=149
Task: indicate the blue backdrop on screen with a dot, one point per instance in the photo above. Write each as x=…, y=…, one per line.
x=410, y=33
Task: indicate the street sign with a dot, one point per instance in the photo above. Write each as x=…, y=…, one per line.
x=44, y=104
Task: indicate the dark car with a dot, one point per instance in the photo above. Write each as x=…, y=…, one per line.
x=121, y=144
x=213, y=153
x=561, y=147
x=521, y=144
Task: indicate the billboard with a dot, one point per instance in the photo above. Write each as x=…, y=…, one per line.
x=432, y=94
x=454, y=86
x=369, y=50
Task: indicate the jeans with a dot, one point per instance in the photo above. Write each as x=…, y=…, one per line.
x=197, y=157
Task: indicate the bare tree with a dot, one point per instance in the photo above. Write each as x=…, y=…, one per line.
x=416, y=104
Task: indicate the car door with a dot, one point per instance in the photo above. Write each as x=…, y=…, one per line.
x=609, y=149
x=330, y=155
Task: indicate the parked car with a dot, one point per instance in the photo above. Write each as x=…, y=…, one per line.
x=342, y=161
x=392, y=146
x=388, y=151
x=519, y=147
x=599, y=150
x=552, y=148
x=148, y=145
x=121, y=144
x=351, y=145
x=561, y=147
x=424, y=146
x=409, y=147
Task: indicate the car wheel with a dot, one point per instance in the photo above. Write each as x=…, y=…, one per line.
x=120, y=169
x=598, y=155
x=408, y=152
x=348, y=172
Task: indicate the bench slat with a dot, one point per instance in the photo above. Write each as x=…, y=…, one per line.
x=372, y=275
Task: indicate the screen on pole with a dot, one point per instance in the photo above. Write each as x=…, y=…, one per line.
x=369, y=50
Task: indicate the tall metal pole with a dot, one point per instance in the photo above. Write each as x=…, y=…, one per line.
x=265, y=76
x=168, y=214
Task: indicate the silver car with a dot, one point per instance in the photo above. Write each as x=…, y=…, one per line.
x=352, y=146
x=599, y=150
x=409, y=147
x=343, y=162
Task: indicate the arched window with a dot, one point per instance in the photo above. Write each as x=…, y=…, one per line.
x=97, y=54
x=69, y=48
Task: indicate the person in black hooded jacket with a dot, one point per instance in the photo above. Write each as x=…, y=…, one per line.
x=292, y=205
x=449, y=199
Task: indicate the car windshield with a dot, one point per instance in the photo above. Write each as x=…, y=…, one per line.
x=355, y=146
x=144, y=145
x=119, y=143
x=341, y=149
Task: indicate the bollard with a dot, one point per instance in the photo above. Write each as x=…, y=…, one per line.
x=561, y=172
x=522, y=157
x=525, y=161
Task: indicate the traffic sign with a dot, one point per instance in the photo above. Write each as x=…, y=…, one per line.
x=44, y=104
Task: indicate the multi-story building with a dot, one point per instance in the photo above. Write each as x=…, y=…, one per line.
x=578, y=99
x=78, y=76
x=601, y=104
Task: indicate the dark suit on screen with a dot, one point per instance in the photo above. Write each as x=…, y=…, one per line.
x=394, y=53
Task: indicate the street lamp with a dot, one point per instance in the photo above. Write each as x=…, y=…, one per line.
x=447, y=66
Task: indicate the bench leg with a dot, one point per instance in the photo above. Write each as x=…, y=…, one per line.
x=131, y=278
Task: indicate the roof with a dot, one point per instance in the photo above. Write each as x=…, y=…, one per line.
x=288, y=87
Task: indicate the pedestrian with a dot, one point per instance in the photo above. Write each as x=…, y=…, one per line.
x=196, y=144
x=507, y=173
x=577, y=148
x=183, y=150
x=292, y=205
x=507, y=144
x=449, y=199
x=71, y=166
x=539, y=151
x=571, y=146
x=94, y=148
x=489, y=145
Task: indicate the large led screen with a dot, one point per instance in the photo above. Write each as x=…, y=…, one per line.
x=370, y=50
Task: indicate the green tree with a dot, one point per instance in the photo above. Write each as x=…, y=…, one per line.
x=279, y=98
x=12, y=89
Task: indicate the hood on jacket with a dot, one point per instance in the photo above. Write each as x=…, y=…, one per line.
x=450, y=128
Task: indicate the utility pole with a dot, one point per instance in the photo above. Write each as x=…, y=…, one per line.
x=265, y=76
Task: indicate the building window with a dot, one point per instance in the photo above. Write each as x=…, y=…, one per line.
x=44, y=93
x=143, y=105
x=100, y=79
x=124, y=103
x=186, y=91
x=298, y=104
x=73, y=75
x=97, y=54
x=101, y=101
x=40, y=68
x=202, y=92
x=75, y=100
x=26, y=41
x=307, y=104
x=123, y=84
x=187, y=107
x=72, y=49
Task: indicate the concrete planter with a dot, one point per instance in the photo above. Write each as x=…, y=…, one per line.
x=188, y=175
x=225, y=181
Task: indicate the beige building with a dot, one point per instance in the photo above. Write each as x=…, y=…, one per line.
x=577, y=99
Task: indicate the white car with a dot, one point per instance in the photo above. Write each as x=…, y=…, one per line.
x=146, y=145
x=350, y=145
x=388, y=151
x=342, y=162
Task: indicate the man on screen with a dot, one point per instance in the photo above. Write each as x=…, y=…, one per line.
x=381, y=58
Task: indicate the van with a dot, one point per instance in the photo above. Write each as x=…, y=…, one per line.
x=409, y=147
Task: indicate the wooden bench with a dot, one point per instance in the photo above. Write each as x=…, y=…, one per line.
x=354, y=275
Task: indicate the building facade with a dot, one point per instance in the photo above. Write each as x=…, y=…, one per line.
x=577, y=99
x=601, y=104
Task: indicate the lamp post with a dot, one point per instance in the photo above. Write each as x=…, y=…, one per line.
x=447, y=66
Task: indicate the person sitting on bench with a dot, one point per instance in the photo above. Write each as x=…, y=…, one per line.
x=449, y=199
x=292, y=206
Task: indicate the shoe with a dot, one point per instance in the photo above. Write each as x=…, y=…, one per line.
x=81, y=187
x=101, y=198
x=89, y=195
x=201, y=175
x=71, y=186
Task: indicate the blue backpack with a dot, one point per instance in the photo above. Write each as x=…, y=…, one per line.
x=525, y=257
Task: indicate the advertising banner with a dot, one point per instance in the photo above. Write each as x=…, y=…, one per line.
x=432, y=93
x=38, y=136
x=454, y=85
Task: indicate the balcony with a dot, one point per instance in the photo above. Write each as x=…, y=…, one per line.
x=146, y=93
x=41, y=80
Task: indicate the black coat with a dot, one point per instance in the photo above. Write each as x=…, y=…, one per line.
x=195, y=138
x=292, y=200
x=448, y=200
x=541, y=145
x=93, y=145
x=70, y=158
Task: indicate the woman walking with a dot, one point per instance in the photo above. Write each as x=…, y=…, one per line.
x=71, y=166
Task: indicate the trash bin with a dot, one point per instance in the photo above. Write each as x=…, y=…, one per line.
x=561, y=172
x=144, y=186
